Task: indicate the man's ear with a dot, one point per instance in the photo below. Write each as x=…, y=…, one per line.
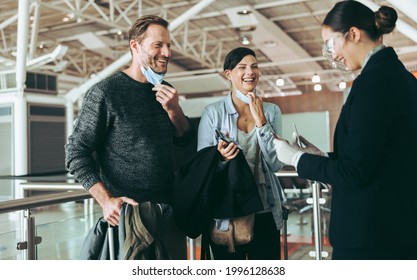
x=134, y=45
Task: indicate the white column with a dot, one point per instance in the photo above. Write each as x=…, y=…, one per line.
x=20, y=103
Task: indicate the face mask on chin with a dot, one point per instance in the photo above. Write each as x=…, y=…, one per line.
x=242, y=96
x=151, y=76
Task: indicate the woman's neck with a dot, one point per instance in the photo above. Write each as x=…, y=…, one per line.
x=366, y=51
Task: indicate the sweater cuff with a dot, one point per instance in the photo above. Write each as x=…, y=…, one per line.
x=88, y=181
x=187, y=137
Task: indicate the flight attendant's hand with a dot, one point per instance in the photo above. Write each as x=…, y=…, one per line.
x=287, y=153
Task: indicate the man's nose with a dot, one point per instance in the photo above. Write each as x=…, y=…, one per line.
x=166, y=51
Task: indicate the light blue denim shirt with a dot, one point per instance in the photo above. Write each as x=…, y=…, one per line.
x=223, y=116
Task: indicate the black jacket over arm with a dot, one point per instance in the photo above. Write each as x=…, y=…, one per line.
x=373, y=168
x=203, y=192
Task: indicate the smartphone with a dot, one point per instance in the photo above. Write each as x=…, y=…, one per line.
x=225, y=138
x=298, y=135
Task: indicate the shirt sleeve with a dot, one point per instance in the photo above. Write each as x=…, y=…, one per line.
x=206, y=136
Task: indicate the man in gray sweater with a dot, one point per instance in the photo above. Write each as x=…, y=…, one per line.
x=131, y=120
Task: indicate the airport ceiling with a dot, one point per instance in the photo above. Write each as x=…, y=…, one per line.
x=77, y=39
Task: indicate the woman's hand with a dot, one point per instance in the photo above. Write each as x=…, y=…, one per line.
x=227, y=150
x=257, y=109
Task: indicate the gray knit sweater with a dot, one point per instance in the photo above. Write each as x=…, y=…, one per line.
x=132, y=137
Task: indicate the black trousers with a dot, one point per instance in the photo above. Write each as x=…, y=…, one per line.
x=266, y=244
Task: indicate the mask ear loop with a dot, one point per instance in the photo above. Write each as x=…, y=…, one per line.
x=141, y=53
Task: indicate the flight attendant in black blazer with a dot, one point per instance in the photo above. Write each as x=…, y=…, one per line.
x=373, y=166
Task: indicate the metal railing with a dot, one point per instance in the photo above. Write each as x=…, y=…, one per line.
x=315, y=201
x=30, y=240
x=68, y=192
x=42, y=200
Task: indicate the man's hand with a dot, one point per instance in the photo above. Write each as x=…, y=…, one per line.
x=168, y=97
x=111, y=205
x=287, y=153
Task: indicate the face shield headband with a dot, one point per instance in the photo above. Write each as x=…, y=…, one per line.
x=330, y=53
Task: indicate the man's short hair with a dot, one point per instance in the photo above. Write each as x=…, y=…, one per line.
x=138, y=29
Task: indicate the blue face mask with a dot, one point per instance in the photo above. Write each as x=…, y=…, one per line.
x=151, y=76
x=242, y=96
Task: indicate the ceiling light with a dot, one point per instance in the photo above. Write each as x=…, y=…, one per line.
x=245, y=40
x=342, y=85
x=317, y=87
x=315, y=79
x=280, y=82
x=244, y=12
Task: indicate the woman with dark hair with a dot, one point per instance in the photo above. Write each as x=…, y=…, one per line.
x=371, y=168
x=249, y=122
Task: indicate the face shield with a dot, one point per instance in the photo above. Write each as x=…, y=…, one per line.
x=330, y=53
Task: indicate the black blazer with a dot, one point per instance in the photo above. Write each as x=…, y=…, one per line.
x=204, y=191
x=373, y=166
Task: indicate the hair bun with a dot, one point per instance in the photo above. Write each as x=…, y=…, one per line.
x=385, y=19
